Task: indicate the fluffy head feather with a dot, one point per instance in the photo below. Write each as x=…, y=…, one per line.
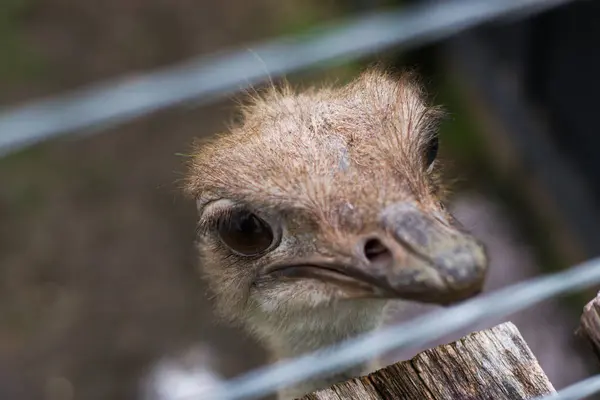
x=326, y=169
x=329, y=160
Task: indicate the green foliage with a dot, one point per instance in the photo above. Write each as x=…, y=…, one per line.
x=18, y=60
x=460, y=134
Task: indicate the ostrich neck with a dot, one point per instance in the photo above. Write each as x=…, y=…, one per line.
x=318, y=328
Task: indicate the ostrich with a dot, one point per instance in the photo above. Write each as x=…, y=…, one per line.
x=320, y=208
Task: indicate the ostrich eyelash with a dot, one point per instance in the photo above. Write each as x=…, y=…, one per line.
x=214, y=212
x=211, y=219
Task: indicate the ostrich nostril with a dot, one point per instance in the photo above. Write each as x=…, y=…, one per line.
x=377, y=252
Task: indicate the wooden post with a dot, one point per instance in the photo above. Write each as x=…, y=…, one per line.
x=491, y=364
x=590, y=323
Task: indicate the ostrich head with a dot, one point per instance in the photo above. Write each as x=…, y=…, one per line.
x=319, y=208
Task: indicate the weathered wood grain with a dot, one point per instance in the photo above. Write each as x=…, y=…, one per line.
x=590, y=323
x=492, y=364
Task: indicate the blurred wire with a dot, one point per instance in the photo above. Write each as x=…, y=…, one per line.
x=580, y=390
x=419, y=331
x=210, y=78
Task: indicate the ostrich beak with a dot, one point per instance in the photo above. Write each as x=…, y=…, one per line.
x=417, y=257
x=429, y=259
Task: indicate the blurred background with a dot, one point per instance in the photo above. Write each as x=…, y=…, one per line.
x=99, y=292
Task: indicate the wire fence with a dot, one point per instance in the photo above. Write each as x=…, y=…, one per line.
x=417, y=332
x=579, y=390
x=210, y=78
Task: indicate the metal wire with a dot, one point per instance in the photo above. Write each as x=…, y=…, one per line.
x=210, y=78
x=419, y=331
x=579, y=390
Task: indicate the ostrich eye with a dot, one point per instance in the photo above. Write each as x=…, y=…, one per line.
x=245, y=233
x=431, y=151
